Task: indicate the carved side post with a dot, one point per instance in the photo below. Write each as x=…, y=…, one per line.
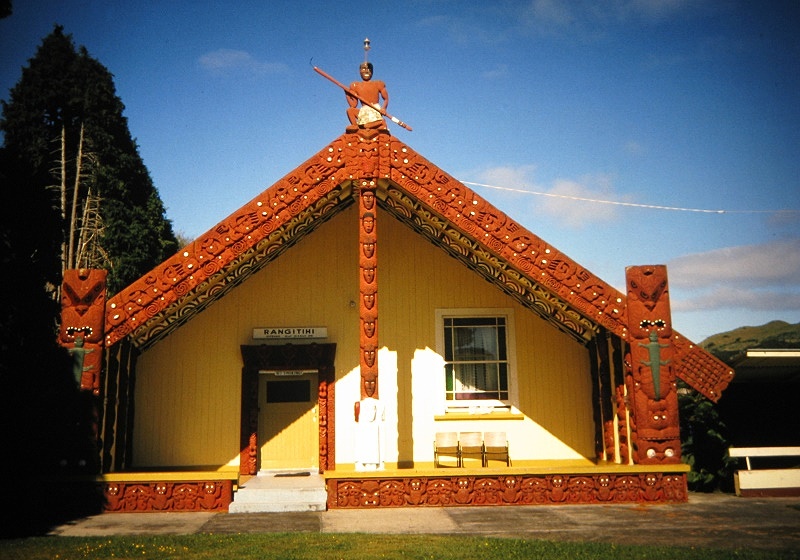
x=654, y=396
x=82, y=332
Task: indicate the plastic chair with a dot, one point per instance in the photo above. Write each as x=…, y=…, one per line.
x=495, y=446
x=471, y=443
x=446, y=443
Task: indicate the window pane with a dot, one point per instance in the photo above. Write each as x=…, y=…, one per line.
x=289, y=391
x=475, y=344
x=476, y=354
x=474, y=321
x=448, y=369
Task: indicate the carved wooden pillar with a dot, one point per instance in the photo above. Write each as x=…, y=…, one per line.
x=653, y=390
x=82, y=332
x=368, y=287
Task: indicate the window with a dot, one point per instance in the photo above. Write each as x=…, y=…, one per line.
x=477, y=357
x=289, y=391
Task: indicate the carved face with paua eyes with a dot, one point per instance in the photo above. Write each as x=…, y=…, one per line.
x=648, y=299
x=83, y=305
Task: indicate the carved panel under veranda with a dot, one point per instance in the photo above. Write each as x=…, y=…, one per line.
x=499, y=490
x=173, y=496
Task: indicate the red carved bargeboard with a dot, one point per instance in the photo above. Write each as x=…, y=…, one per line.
x=197, y=495
x=500, y=490
x=517, y=258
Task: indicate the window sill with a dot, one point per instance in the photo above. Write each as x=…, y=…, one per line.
x=497, y=415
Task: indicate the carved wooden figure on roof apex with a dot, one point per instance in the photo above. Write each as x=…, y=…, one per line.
x=370, y=92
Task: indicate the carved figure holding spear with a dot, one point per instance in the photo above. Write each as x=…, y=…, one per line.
x=367, y=116
x=369, y=93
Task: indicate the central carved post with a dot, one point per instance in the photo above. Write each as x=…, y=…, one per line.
x=369, y=411
x=368, y=287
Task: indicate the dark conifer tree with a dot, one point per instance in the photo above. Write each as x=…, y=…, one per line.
x=46, y=431
x=45, y=420
x=64, y=118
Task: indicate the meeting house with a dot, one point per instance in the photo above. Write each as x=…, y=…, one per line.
x=371, y=322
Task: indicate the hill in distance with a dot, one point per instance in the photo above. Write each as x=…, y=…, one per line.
x=773, y=335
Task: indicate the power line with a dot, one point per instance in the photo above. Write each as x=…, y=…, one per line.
x=630, y=204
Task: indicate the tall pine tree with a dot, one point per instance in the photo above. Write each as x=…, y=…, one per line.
x=66, y=122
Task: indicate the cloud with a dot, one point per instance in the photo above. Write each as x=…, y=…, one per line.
x=551, y=12
x=762, y=277
x=499, y=71
x=739, y=298
x=573, y=202
x=434, y=21
x=568, y=203
x=653, y=9
x=634, y=148
x=223, y=60
x=461, y=30
x=518, y=177
x=590, y=16
x=763, y=265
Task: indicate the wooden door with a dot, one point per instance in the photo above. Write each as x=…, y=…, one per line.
x=288, y=421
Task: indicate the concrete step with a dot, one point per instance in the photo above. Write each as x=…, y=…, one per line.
x=280, y=491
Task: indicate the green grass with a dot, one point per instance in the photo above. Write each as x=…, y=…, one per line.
x=316, y=546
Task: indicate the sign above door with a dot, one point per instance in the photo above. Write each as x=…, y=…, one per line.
x=289, y=332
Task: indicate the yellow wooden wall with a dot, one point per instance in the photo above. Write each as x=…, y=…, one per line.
x=188, y=385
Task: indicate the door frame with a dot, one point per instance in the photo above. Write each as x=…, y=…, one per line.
x=287, y=357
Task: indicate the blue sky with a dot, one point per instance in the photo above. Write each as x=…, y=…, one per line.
x=663, y=109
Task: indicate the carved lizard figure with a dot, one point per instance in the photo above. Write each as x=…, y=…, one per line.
x=655, y=363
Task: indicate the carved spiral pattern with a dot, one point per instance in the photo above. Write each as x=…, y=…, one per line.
x=182, y=289
x=210, y=268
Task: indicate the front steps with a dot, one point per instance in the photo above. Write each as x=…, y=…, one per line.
x=281, y=491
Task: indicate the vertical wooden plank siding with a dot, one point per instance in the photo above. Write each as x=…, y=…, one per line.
x=188, y=385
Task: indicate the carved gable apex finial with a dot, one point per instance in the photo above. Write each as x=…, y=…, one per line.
x=367, y=100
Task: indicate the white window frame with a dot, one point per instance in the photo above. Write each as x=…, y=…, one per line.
x=478, y=405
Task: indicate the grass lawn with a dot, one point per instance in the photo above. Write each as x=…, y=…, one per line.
x=317, y=546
